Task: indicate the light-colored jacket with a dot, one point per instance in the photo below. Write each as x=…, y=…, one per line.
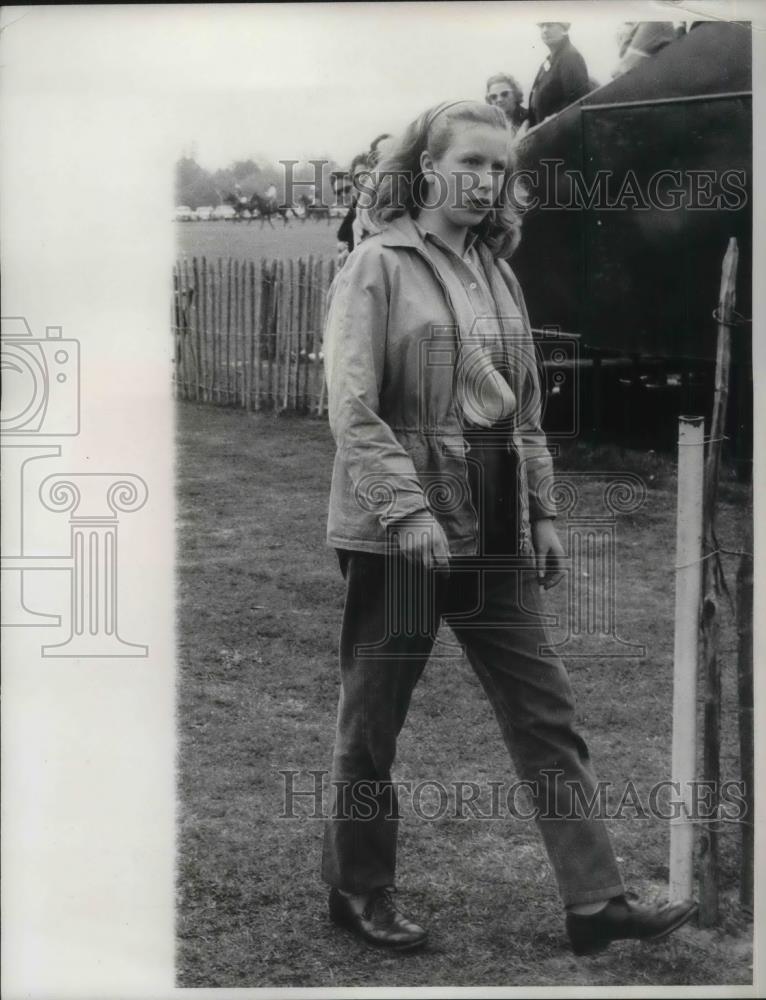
x=392, y=345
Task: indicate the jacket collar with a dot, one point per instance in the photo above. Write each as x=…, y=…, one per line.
x=401, y=232
x=405, y=232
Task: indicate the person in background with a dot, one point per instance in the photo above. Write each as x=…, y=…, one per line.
x=363, y=225
x=563, y=77
x=504, y=92
x=343, y=190
x=359, y=165
x=639, y=40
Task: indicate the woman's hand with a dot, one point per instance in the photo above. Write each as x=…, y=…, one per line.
x=422, y=540
x=549, y=553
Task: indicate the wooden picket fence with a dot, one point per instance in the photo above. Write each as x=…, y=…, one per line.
x=249, y=334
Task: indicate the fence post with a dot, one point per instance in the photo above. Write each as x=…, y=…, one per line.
x=250, y=338
x=258, y=338
x=243, y=334
x=746, y=731
x=315, y=292
x=305, y=326
x=236, y=333
x=197, y=335
x=297, y=333
x=174, y=313
x=228, y=328
x=218, y=335
x=278, y=317
x=688, y=591
x=712, y=591
x=288, y=331
x=203, y=356
x=184, y=331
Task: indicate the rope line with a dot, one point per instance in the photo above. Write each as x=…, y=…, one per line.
x=722, y=826
x=715, y=552
x=704, y=441
x=696, y=562
x=739, y=321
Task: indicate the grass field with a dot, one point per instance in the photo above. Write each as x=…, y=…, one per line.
x=260, y=599
x=250, y=240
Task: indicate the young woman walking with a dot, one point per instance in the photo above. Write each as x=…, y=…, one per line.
x=441, y=508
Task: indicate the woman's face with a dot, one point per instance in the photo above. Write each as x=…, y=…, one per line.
x=469, y=174
x=501, y=95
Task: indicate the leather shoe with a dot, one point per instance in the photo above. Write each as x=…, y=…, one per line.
x=374, y=917
x=621, y=919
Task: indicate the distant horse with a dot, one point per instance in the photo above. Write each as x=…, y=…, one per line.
x=265, y=207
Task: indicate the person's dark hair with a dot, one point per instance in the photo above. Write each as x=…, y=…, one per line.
x=360, y=160
x=374, y=155
x=400, y=187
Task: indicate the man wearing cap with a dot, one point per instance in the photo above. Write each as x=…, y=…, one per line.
x=563, y=77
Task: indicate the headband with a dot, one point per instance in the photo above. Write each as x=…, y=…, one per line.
x=434, y=113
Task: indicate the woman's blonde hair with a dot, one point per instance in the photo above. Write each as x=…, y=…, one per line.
x=399, y=186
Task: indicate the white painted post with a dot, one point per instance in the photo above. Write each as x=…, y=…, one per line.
x=688, y=595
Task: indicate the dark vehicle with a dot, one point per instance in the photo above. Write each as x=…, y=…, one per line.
x=634, y=193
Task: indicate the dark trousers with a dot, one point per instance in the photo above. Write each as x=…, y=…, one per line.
x=390, y=620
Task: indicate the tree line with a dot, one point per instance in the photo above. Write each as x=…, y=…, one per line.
x=195, y=186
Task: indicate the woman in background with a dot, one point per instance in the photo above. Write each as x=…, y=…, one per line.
x=504, y=92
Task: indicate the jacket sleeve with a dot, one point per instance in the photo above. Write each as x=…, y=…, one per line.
x=382, y=472
x=534, y=447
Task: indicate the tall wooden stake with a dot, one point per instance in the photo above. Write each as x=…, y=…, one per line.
x=711, y=753
x=746, y=734
x=691, y=433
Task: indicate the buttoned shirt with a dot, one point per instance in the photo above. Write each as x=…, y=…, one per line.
x=482, y=383
x=492, y=469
